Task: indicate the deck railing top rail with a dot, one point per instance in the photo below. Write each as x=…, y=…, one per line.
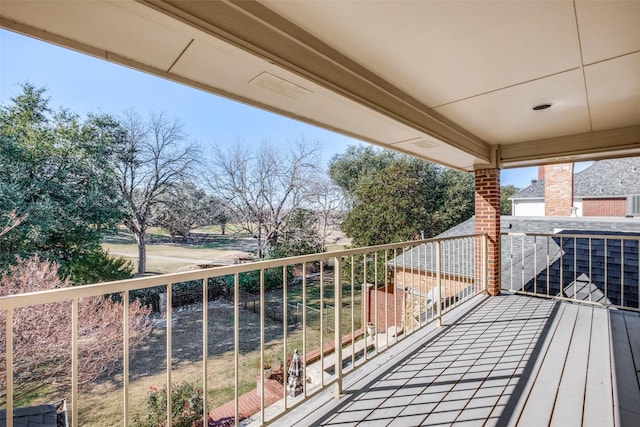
x=63, y=294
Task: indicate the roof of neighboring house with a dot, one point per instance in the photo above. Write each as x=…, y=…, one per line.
x=524, y=257
x=617, y=177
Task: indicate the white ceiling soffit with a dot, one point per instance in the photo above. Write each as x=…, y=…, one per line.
x=453, y=82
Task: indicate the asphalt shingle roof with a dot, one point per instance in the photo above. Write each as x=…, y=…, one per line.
x=617, y=177
x=524, y=257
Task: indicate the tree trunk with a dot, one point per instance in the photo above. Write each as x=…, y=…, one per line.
x=142, y=251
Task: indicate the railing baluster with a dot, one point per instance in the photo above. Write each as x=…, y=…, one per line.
x=439, y=284
x=561, y=291
x=621, y=272
x=338, y=326
x=424, y=285
x=205, y=347
x=375, y=301
x=364, y=308
x=322, y=320
x=386, y=297
x=485, y=262
x=511, y=261
x=522, y=264
x=236, y=346
x=74, y=362
x=304, y=328
x=535, y=265
x=591, y=284
x=285, y=332
x=548, y=267
x=9, y=363
x=168, y=345
x=262, y=326
x=353, y=312
x=125, y=355
x=395, y=294
x=606, y=274
x=575, y=269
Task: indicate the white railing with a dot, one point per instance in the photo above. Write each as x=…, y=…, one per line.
x=349, y=306
x=581, y=267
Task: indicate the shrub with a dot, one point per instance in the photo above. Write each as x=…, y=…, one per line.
x=42, y=333
x=186, y=407
x=250, y=281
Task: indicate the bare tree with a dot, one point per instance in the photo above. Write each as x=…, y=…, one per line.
x=13, y=220
x=261, y=185
x=154, y=158
x=329, y=204
x=184, y=208
x=42, y=333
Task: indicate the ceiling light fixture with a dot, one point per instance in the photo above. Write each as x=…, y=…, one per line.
x=541, y=107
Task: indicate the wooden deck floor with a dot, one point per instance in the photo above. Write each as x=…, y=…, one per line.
x=509, y=361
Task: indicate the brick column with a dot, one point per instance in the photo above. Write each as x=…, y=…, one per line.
x=558, y=190
x=487, y=211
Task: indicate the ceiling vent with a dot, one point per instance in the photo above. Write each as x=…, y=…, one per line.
x=279, y=86
x=424, y=144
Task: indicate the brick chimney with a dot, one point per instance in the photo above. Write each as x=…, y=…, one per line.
x=541, y=173
x=558, y=189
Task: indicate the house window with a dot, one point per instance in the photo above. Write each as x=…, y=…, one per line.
x=633, y=205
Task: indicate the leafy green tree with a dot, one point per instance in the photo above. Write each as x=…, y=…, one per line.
x=404, y=198
x=357, y=165
x=54, y=177
x=505, y=204
x=299, y=235
x=458, y=198
x=395, y=205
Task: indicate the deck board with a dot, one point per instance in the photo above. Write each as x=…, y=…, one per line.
x=632, y=321
x=626, y=388
x=570, y=399
x=506, y=361
x=598, y=401
x=547, y=381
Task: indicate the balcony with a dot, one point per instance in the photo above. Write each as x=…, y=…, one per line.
x=507, y=360
x=416, y=340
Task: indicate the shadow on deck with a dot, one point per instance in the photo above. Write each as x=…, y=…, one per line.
x=507, y=360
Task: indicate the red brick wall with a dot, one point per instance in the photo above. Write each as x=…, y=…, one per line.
x=558, y=189
x=604, y=207
x=487, y=220
x=391, y=306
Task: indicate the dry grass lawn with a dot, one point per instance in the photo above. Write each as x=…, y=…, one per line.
x=102, y=402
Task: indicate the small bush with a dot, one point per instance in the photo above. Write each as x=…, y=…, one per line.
x=186, y=407
x=250, y=281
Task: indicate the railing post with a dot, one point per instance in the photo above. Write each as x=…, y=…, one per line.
x=338, y=325
x=439, y=285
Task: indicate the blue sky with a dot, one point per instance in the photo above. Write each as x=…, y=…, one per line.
x=84, y=84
